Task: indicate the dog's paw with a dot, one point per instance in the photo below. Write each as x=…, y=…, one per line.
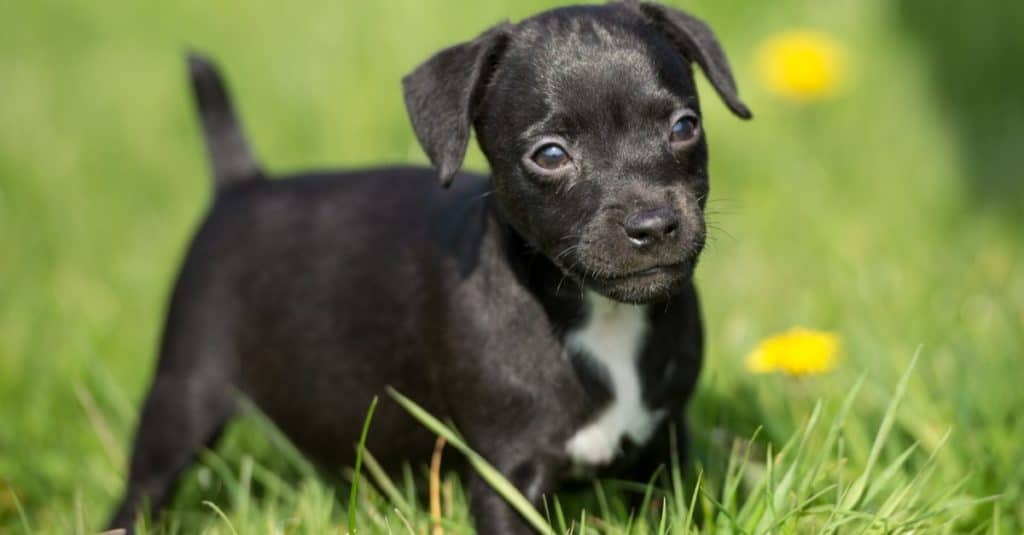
x=592, y=446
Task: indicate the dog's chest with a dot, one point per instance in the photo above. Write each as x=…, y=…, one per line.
x=611, y=339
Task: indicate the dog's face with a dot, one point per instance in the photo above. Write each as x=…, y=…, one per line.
x=590, y=120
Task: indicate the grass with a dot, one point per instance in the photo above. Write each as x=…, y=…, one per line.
x=860, y=215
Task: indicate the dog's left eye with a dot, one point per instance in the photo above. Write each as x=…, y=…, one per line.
x=684, y=130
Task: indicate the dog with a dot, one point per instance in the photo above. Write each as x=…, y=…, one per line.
x=547, y=310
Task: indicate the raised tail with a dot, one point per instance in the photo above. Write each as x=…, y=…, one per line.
x=230, y=157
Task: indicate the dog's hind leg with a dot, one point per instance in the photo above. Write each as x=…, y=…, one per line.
x=188, y=405
x=181, y=416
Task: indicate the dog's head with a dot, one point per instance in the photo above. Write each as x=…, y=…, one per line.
x=590, y=120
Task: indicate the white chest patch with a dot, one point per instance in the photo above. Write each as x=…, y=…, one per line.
x=613, y=336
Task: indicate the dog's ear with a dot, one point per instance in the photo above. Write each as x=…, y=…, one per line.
x=442, y=96
x=696, y=42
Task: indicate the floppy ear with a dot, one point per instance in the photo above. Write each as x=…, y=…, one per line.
x=443, y=93
x=696, y=42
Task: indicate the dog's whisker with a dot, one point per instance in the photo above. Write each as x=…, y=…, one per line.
x=719, y=231
x=481, y=197
x=566, y=251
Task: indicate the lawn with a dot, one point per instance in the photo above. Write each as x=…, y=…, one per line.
x=889, y=214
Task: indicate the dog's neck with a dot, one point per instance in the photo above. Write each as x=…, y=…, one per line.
x=563, y=297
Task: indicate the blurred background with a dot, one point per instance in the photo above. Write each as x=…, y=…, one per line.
x=876, y=195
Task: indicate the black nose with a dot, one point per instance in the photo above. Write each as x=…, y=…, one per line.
x=651, y=226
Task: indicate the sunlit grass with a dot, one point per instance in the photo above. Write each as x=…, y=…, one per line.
x=813, y=483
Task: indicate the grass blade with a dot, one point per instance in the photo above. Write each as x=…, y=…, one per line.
x=359, y=464
x=857, y=490
x=486, y=471
x=222, y=516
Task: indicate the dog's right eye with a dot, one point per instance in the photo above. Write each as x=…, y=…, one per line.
x=550, y=157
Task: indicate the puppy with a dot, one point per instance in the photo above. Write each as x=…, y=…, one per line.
x=547, y=310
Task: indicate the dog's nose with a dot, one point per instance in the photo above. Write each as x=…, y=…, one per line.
x=650, y=226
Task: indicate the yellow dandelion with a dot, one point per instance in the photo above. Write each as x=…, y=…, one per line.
x=797, y=351
x=802, y=65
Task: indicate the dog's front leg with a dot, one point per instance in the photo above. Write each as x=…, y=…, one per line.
x=535, y=475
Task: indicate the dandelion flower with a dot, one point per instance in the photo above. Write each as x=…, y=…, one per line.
x=802, y=65
x=798, y=351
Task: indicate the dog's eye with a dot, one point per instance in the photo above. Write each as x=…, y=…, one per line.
x=684, y=130
x=550, y=157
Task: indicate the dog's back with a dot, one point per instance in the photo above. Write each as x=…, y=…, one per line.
x=333, y=325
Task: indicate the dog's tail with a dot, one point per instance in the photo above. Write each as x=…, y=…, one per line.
x=230, y=157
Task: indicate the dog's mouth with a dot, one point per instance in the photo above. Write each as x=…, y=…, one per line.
x=673, y=269
x=639, y=286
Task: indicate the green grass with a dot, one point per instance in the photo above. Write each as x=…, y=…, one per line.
x=860, y=215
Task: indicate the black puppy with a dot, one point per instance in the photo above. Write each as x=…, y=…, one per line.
x=547, y=310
